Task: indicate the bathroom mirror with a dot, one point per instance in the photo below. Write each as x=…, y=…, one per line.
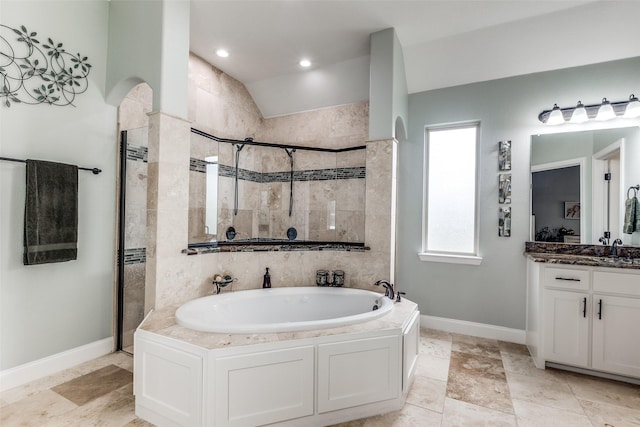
x=571, y=202
x=322, y=201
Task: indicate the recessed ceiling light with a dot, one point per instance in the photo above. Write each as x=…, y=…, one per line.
x=305, y=63
x=222, y=53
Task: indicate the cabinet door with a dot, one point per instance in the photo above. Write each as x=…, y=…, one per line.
x=168, y=384
x=566, y=327
x=358, y=372
x=616, y=335
x=264, y=388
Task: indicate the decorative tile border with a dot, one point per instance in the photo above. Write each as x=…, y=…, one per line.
x=278, y=247
x=135, y=256
x=137, y=153
x=358, y=172
x=197, y=165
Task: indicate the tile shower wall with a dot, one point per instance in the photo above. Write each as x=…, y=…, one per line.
x=132, y=117
x=328, y=201
x=222, y=106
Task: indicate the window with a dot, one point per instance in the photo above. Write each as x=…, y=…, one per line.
x=450, y=210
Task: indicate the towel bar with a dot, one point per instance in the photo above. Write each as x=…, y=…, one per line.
x=95, y=171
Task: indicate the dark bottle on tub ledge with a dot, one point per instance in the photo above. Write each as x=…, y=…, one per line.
x=266, y=281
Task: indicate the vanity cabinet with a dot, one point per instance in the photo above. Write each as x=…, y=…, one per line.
x=585, y=317
x=616, y=335
x=566, y=327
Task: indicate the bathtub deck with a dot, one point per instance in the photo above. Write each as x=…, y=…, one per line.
x=163, y=322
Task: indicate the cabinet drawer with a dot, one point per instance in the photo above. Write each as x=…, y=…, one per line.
x=616, y=282
x=566, y=278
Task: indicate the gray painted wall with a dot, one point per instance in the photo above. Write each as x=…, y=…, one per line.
x=494, y=292
x=49, y=308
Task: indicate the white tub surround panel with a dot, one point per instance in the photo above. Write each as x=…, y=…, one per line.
x=584, y=317
x=314, y=378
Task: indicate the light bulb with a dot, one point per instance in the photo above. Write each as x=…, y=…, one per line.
x=222, y=53
x=305, y=63
x=633, y=108
x=605, y=112
x=555, y=117
x=579, y=114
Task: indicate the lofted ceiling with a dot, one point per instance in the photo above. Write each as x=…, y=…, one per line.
x=445, y=43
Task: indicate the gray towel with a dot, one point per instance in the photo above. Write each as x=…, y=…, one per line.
x=631, y=216
x=50, y=213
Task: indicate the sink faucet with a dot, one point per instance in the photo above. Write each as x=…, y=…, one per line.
x=614, y=248
x=389, y=292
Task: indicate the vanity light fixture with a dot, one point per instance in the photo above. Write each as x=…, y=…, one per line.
x=555, y=117
x=606, y=110
x=633, y=108
x=579, y=114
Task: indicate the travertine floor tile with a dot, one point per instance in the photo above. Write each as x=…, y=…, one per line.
x=435, y=334
x=120, y=359
x=510, y=347
x=29, y=389
x=605, y=391
x=90, y=386
x=468, y=364
x=113, y=409
x=469, y=386
x=523, y=365
x=408, y=416
x=427, y=393
x=462, y=414
x=602, y=414
x=529, y=414
x=354, y=423
x=475, y=345
x=36, y=410
x=543, y=391
x=435, y=347
x=433, y=367
x=138, y=423
x=479, y=380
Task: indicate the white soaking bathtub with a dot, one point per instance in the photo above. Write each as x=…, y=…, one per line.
x=321, y=376
x=282, y=310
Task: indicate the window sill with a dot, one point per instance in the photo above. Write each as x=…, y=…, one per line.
x=450, y=258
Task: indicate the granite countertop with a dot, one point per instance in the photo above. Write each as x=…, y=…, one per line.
x=163, y=322
x=594, y=261
x=590, y=255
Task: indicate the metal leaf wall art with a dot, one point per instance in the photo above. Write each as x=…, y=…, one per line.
x=35, y=73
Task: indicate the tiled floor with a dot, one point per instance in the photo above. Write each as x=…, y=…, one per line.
x=461, y=381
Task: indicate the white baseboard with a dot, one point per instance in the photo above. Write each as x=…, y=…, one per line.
x=483, y=330
x=40, y=368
